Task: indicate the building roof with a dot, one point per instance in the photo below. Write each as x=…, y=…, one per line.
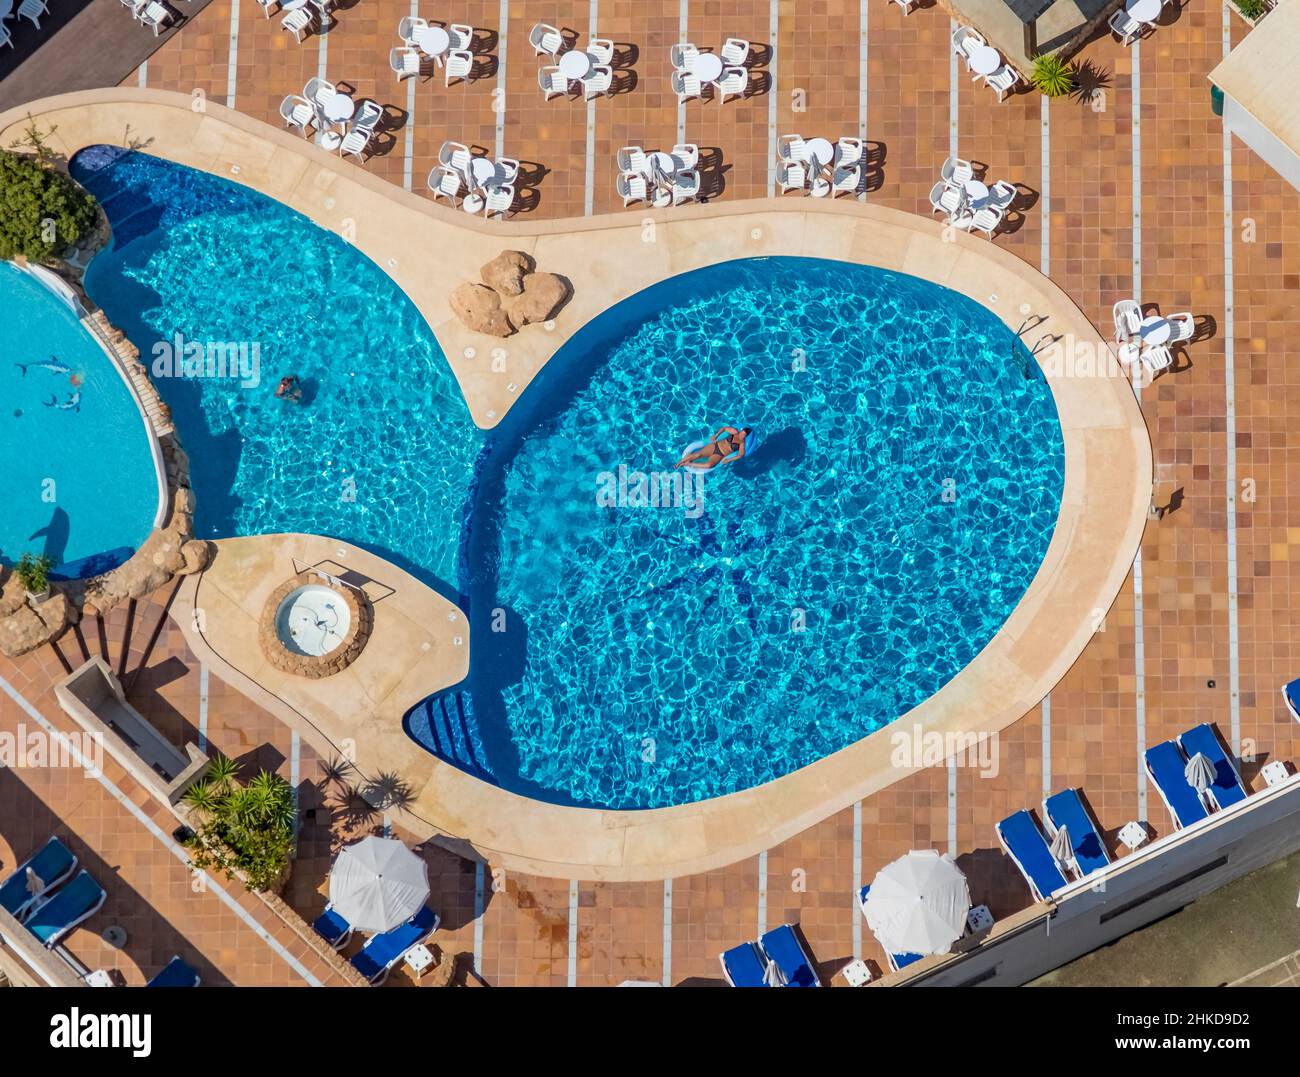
x=1262, y=74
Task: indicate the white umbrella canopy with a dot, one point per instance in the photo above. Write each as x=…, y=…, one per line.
x=1199, y=772
x=377, y=884
x=918, y=904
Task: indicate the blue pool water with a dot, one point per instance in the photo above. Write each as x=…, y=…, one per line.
x=903, y=494
x=78, y=482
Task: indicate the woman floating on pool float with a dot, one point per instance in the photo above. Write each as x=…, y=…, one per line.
x=728, y=445
x=289, y=388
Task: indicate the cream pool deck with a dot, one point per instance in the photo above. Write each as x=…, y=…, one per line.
x=428, y=249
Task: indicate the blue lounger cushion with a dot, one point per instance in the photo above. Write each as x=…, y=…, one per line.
x=1024, y=842
x=1066, y=809
x=1167, y=769
x=896, y=961
x=52, y=919
x=1228, y=788
x=782, y=945
x=1291, y=694
x=331, y=927
x=744, y=966
x=176, y=974
x=384, y=951
x=52, y=864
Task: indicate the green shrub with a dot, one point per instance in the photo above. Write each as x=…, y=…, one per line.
x=245, y=828
x=42, y=212
x=1052, y=75
x=34, y=571
x=1252, y=9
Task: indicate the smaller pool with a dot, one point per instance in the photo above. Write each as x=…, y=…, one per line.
x=78, y=482
x=312, y=621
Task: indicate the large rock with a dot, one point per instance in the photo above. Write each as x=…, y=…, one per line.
x=197, y=555
x=543, y=295
x=479, y=308
x=506, y=272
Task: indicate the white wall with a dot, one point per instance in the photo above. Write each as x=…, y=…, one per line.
x=1267, y=145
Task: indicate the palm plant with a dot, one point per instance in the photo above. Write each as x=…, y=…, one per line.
x=1052, y=75
x=203, y=797
x=222, y=772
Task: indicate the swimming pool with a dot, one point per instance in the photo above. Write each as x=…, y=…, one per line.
x=79, y=482
x=903, y=494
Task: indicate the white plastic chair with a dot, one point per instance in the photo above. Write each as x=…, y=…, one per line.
x=318, y=91
x=791, y=148
x=445, y=182
x=1157, y=358
x=157, y=16
x=847, y=180
x=297, y=112
x=946, y=199
x=686, y=86
x=545, y=40
x=1125, y=27
x=1183, y=326
x=32, y=10
x=632, y=159
x=1128, y=319
x=507, y=170
x=965, y=40
x=1002, y=194
x=631, y=187
x=686, y=187
x=405, y=62
x=357, y=140
x=409, y=26
x=598, y=82
x=460, y=63
x=1003, y=79
x=601, y=50
x=552, y=82
x=735, y=51
x=454, y=155
x=986, y=220
x=850, y=151
x=791, y=176
x=265, y=5
x=733, y=83
x=688, y=153
x=681, y=55
x=956, y=171
x=498, y=199
x=462, y=36
x=299, y=22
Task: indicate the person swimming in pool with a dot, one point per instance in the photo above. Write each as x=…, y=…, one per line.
x=289, y=388
x=728, y=444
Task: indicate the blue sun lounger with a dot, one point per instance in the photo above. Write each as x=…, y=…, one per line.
x=782, y=945
x=1067, y=809
x=384, y=951
x=52, y=864
x=1023, y=841
x=331, y=927
x=1291, y=696
x=1228, y=788
x=896, y=961
x=55, y=916
x=176, y=974
x=1167, y=769
x=744, y=965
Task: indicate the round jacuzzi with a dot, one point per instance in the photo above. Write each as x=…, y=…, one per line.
x=314, y=626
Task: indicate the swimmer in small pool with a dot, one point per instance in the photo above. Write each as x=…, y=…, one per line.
x=728, y=444
x=289, y=389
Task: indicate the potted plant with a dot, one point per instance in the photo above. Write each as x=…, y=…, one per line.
x=245, y=831
x=34, y=571
x=1052, y=75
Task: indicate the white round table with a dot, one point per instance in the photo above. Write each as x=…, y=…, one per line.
x=662, y=163
x=707, y=67
x=985, y=59
x=1143, y=10
x=340, y=108
x=292, y=5
x=433, y=40
x=481, y=171
x=575, y=64
x=820, y=151
x=976, y=191
x=1155, y=330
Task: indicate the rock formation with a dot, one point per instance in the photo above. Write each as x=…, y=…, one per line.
x=512, y=294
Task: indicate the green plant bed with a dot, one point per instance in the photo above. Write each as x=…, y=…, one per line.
x=34, y=571
x=1052, y=75
x=42, y=212
x=1252, y=9
x=244, y=831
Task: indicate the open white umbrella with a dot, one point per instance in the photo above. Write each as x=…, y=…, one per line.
x=1199, y=772
x=377, y=884
x=918, y=904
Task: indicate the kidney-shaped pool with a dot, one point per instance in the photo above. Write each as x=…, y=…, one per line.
x=641, y=636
